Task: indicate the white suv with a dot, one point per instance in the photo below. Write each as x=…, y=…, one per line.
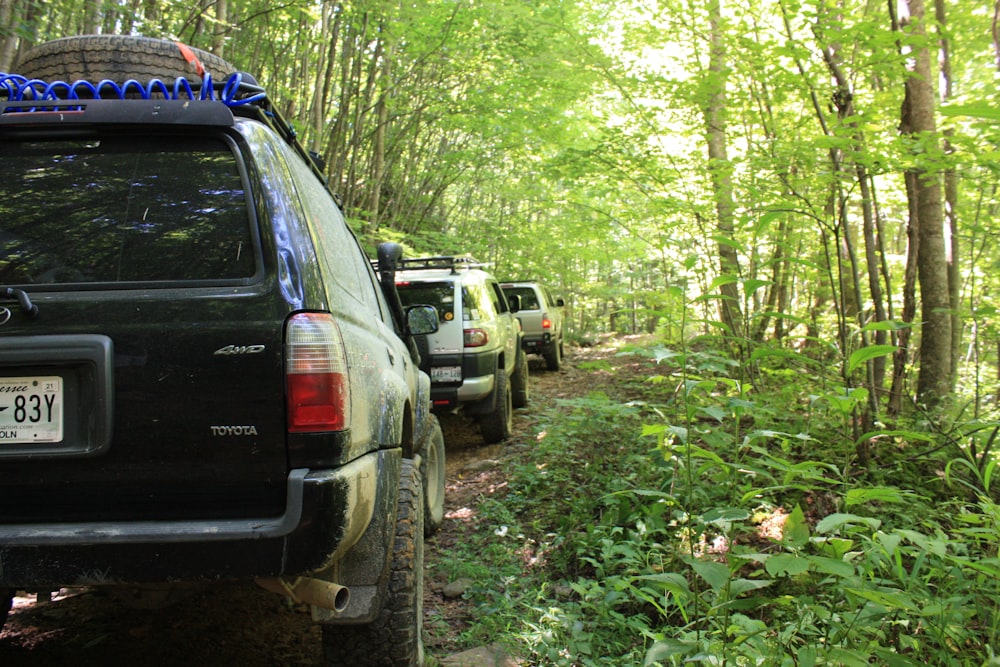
x=475, y=358
x=541, y=320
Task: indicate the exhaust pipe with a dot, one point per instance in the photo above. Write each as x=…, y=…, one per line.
x=306, y=590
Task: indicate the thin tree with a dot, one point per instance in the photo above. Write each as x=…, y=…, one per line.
x=720, y=169
x=924, y=189
x=950, y=197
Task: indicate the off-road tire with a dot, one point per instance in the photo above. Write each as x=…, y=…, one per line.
x=394, y=638
x=118, y=58
x=519, y=383
x=553, y=358
x=433, y=473
x=498, y=425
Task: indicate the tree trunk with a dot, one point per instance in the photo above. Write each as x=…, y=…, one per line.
x=951, y=201
x=221, y=29
x=92, y=17
x=934, y=380
x=381, y=125
x=721, y=171
x=8, y=37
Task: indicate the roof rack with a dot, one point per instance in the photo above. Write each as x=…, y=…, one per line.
x=240, y=92
x=442, y=262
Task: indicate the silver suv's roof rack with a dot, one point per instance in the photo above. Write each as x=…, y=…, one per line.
x=454, y=263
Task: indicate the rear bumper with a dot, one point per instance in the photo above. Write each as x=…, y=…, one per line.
x=537, y=344
x=327, y=512
x=478, y=377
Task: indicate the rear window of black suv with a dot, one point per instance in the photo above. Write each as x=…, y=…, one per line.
x=123, y=209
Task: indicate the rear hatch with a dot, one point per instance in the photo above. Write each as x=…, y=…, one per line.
x=440, y=352
x=530, y=311
x=140, y=345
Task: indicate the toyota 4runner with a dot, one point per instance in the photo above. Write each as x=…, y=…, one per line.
x=201, y=376
x=475, y=359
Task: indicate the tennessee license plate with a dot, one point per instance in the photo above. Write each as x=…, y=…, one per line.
x=31, y=409
x=446, y=373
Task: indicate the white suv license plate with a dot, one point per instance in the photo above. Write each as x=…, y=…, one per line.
x=446, y=373
x=31, y=409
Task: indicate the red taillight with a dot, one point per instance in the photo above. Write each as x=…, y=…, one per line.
x=319, y=393
x=476, y=338
x=546, y=322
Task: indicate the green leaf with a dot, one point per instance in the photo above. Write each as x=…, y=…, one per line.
x=886, y=325
x=865, y=354
x=881, y=494
x=972, y=110
x=752, y=285
x=770, y=216
x=786, y=564
x=662, y=353
x=667, y=648
x=796, y=532
x=653, y=429
x=715, y=412
x=715, y=574
x=672, y=582
x=886, y=598
x=725, y=515
x=833, y=566
x=722, y=280
x=834, y=546
x=837, y=520
x=846, y=658
x=680, y=432
x=847, y=401
x=904, y=435
x=740, y=586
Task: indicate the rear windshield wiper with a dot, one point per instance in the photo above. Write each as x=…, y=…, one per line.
x=23, y=299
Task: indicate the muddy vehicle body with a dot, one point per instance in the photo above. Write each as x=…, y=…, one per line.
x=201, y=376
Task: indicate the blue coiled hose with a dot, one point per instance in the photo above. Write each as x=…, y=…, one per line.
x=17, y=88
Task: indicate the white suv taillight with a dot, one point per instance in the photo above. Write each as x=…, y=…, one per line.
x=546, y=322
x=476, y=338
x=319, y=392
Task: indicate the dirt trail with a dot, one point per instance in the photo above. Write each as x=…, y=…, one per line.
x=239, y=623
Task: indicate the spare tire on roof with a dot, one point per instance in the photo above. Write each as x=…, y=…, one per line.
x=119, y=58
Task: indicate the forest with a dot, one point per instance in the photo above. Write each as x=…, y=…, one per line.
x=792, y=201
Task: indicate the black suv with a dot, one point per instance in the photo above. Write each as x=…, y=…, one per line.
x=201, y=376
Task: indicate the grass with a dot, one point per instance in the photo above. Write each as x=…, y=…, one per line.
x=682, y=518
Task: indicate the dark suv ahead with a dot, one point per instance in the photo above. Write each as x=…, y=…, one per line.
x=201, y=376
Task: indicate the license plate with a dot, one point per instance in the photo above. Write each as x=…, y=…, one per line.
x=31, y=409
x=446, y=374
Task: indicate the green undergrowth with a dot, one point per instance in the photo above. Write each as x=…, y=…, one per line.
x=691, y=518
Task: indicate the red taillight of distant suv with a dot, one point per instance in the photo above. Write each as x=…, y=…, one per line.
x=546, y=322
x=318, y=390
